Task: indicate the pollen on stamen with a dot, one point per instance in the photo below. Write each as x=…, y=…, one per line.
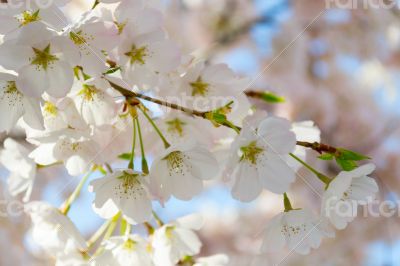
x=176, y=163
x=129, y=187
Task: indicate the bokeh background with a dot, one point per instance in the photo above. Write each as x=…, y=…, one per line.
x=336, y=66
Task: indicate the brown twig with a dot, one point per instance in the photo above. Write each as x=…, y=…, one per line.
x=132, y=96
x=318, y=147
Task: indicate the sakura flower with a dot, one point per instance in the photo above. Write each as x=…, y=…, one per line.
x=299, y=230
x=71, y=256
x=22, y=169
x=146, y=55
x=214, y=260
x=60, y=114
x=180, y=128
x=92, y=38
x=51, y=229
x=18, y=13
x=180, y=171
x=125, y=251
x=93, y=103
x=76, y=150
x=259, y=159
x=135, y=18
x=16, y=104
x=345, y=192
x=43, y=61
x=124, y=191
x=173, y=241
x=207, y=88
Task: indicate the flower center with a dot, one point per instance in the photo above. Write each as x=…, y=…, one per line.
x=176, y=126
x=292, y=230
x=168, y=231
x=79, y=37
x=43, y=58
x=50, y=108
x=129, y=245
x=27, y=17
x=137, y=55
x=88, y=92
x=251, y=152
x=199, y=87
x=175, y=163
x=11, y=93
x=75, y=146
x=129, y=187
x=347, y=193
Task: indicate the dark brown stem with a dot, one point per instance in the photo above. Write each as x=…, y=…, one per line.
x=318, y=147
x=132, y=98
x=253, y=94
x=130, y=95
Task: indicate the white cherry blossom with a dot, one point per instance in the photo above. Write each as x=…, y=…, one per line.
x=14, y=157
x=18, y=13
x=71, y=256
x=345, y=192
x=179, y=171
x=43, y=61
x=95, y=105
x=144, y=56
x=51, y=229
x=16, y=104
x=173, y=241
x=61, y=114
x=129, y=250
x=259, y=159
x=91, y=37
x=299, y=230
x=124, y=191
x=74, y=148
x=209, y=87
x=214, y=260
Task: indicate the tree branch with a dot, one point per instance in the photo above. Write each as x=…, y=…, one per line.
x=318, y=147
x=132, y=97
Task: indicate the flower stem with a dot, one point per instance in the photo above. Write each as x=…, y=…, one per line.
x=112, y=226
x=131, y=165
x=149, y=228
x=145, y=167
x=109, y=168
x=286, y=203
x=321, y=176
x=110, y=230
x=75, y=194
x=96, y=236
x=166, y=144
x=158, y=219
x=128, y=228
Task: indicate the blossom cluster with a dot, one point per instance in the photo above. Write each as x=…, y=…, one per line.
x=81, y=91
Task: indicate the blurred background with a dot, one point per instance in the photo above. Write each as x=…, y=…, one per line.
x=336, y=66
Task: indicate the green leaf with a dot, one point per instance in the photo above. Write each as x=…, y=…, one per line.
x=346, y=165
x=326, y=157
x=272, y=98
x=125, y=156
x=351, y=155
